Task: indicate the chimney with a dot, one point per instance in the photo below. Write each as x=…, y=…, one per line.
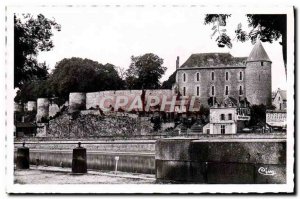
x=177, y=62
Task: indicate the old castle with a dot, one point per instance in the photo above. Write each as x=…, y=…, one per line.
x=215, y=76
x=220, y=81
x=208, y=76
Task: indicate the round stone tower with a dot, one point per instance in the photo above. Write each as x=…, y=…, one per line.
x=77, y=101
x=18, y=107
x=258, y=76
x=42, y=109
x=31, y=106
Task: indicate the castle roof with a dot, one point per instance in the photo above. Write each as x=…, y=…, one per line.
x=213, y=59
x=258, y=53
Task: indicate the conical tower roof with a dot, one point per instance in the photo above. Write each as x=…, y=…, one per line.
x=258, y=53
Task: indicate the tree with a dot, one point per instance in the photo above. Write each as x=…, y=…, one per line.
x=121, y=72
x=258, y=113
x=31, y=90
x=204, y=114
x=169, y=83
x=267, y=28
x=145, y=72
x=108, y=78
x=83, y=75
x=31, y=35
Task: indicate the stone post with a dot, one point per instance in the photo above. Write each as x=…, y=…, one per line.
x=79, y=163
x=23, y=157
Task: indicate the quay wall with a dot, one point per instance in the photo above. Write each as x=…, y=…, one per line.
x=216, y=161
x=134, y=156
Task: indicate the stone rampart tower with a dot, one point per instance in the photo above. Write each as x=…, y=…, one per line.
x=258, y=76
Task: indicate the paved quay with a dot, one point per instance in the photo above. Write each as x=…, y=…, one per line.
x=57, y=175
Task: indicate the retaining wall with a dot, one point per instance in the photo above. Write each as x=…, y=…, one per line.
x=135, y=157
x=128, y=162
x=248, y=161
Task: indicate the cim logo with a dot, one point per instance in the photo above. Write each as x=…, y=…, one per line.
x=266, y=171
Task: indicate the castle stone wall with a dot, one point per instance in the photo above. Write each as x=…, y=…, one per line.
x=94, y=99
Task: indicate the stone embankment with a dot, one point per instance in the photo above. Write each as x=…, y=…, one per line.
x=89, y=125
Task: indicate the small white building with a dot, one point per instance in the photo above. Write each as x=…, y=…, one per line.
x=276, y=118
x=226, y=117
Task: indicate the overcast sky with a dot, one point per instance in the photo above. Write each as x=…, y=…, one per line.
x=113, y=35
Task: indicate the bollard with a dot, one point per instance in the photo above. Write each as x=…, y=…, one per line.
x=116, y=167
x=23, y=157
x=79, y=164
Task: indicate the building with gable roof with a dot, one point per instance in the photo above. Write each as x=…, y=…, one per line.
x=280, y=99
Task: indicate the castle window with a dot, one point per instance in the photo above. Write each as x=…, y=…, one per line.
x=212, y=90
x=226, y=76
x=222, y=117
x=184, y=77
x=198, y=91
x=229, y=116
x=226, y=90
x=261, y=63
x=184, y=91
x=197, y=77
x=212, y=75
x=259, y=77
x=241, y=75
x=241, y=90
